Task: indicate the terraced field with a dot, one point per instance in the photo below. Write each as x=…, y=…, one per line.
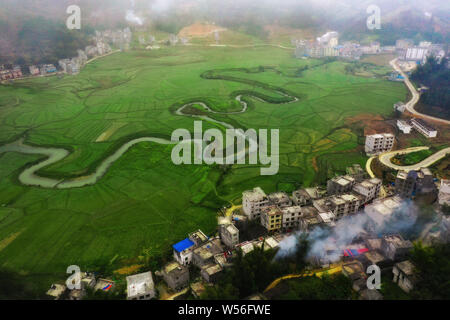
x=144, y=203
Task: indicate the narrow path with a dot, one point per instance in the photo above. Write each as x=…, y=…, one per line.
x=415, y=96
x=318, y=273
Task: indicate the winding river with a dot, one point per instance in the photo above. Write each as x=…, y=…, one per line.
x=30, y=177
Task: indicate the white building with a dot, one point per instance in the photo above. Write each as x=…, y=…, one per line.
x=369, y=189
x=404, y=126
x=182, y=251
x=254, y=202
x=379, y=143
x=417, y=54
x=444, y=192
x=140, y=286
x=424, y=128
x=229, y=235
x=400, y=106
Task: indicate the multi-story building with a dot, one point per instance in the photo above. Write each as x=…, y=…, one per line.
x=204, y=254
x=379, y=143
x=229, y=235
x=272, y=218
x=404, y=275
x=254, y=202
x=369, y=189
x=395, y=247
x=305, y=197
x=344, y=204
x=381, y=210
x=291, y=217
x=340, y=184
x=412, y=183
x=424, y=128
x=310, y=218
x=280, y=199
x=182, y=251
x=176, y=275
x=444, y=192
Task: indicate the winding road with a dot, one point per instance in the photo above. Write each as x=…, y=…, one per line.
x=30, y=177
x=415, y=96
x=386, y=157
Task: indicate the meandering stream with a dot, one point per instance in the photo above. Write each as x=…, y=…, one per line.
x=30, y=177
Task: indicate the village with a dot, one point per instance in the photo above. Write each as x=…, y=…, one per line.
x=281, y=215
x=409, y=55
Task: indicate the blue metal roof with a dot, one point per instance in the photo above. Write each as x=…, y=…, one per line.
x=183, y=245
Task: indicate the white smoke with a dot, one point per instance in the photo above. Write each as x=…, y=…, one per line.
x=160, y=6
x=132, y=17
x=328, y=243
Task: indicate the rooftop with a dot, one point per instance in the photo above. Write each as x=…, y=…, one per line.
x=406, y=267
x=174, y=268
x=256, y=194
x=139, y=284
x=183, y=245
x=212, y=269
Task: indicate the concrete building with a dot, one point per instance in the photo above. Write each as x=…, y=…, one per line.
x=444, y=192
x=280, y=199
x=415, y=54
x=413, y=183
x=272, y=219
x=379, y=143
x=404, y=275
x=204, y=254
x=381, y=210
x=198, y=237
x=176, y=275
x=404, y=126
x=340, y=184
x=182, y=251
x=345, y=204
x=291, y=217
x=400, y=106
x=211, y=272
x=394, y=247
x=140, y=287
x=254, y=202
x=310, y=218
x=369, y=189
x=229, y=235
x=305, y=196
x=424, y=128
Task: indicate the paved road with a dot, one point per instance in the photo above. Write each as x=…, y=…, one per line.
x=385, y=158
x=383, y=193
x=415, y=96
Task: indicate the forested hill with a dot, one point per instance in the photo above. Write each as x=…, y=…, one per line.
x=435, y=76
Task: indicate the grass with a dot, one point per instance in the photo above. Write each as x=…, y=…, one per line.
x=145, y=203
x=411, y=158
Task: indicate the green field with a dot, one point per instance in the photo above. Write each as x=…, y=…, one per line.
x=145, y=203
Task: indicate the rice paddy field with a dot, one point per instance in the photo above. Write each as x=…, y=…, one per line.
x=145, y=203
